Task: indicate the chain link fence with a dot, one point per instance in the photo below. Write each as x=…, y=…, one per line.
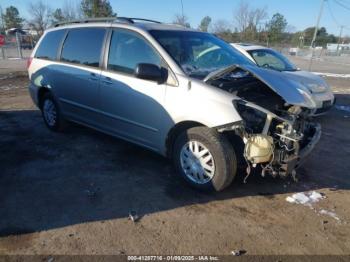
x=17, y=46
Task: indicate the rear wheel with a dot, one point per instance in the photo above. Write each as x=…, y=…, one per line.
x=51, y=113
x=205, y=159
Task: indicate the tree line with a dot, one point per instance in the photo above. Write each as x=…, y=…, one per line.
x=253, y=25
x=248, y=24
x=43, y=16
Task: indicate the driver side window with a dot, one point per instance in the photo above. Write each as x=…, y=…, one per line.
x=264, y=59
x=127, y=50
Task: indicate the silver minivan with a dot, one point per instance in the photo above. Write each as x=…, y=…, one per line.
x=153, y=84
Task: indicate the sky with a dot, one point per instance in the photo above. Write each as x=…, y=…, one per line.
x=300, y=14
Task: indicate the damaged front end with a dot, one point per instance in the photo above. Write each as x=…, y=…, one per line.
x=280, y=142
x=277, y=133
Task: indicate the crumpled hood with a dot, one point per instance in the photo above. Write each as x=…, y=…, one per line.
x=306, y=78
x=289, y=88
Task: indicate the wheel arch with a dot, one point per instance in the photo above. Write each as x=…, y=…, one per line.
x=41, y=93
x=175, y=131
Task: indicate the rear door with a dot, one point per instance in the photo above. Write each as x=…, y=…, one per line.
x=77, y=76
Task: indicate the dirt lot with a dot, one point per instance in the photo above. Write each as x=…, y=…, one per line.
x=335, y=65
x=72, y=193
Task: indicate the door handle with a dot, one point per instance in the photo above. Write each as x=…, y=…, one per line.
x=93, y=77
x=107, y=80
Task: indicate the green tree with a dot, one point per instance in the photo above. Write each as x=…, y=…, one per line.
x=57, y=16
x=12, y=18
x=97, y=8
x=204, y=25
x=276, y=27
x=322, y=36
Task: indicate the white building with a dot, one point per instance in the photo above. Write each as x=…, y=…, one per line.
x=334, y=47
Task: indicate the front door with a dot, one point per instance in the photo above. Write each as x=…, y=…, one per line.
x=132, y=107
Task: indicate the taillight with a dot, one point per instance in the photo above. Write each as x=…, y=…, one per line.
x=29, y=61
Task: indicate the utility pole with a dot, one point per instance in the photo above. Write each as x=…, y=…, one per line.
x=339, y=38
x=315, y=33
x=182, y=9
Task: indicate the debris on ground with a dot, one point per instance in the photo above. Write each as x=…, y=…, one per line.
x=305, y=198
x=309, y=198
x=133, y=216
x=329, y=213
x=238, y=252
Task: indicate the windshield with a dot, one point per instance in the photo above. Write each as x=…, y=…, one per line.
x=271, y=59
x=198, y=53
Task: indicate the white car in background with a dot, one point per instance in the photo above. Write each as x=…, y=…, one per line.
x=315, y=85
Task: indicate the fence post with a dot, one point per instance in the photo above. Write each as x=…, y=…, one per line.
x=19, y=48
x=3, y=53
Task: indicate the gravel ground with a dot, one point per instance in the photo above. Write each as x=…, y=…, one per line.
x=72, y=193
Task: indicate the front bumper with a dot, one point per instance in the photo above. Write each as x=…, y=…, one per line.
x=324, y=102
x=295, y=161
x=327, y=105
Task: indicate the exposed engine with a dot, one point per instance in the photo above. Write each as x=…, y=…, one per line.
x=274, y=132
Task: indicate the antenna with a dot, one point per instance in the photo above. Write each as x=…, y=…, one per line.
x=182, y=8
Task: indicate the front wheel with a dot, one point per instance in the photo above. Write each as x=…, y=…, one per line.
x=205, y=159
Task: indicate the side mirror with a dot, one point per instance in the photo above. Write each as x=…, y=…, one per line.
x=151, y=72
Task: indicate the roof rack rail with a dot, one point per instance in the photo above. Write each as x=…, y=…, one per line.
x=106, y=19
x=143, y=20
x=87, y=20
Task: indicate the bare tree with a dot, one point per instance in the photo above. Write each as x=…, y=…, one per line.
x=181, y=20
x=241, y=16
x=248, y=20
x=40, y=13
x=220, y=26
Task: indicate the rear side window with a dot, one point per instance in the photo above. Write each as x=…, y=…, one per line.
x=49, y=45
x=127, y=50
x=83, y=46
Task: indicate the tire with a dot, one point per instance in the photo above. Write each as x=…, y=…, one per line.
x=215, y=170
x=49, y=107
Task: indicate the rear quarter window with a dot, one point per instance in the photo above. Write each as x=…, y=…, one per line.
x=84, y=46
x=48, y=48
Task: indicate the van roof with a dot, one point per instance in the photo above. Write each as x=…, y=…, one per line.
x=142, y=23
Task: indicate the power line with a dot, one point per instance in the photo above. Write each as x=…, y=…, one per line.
x=345, y=2
x=334, y=19
x=341, y=4
x=332, y=15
